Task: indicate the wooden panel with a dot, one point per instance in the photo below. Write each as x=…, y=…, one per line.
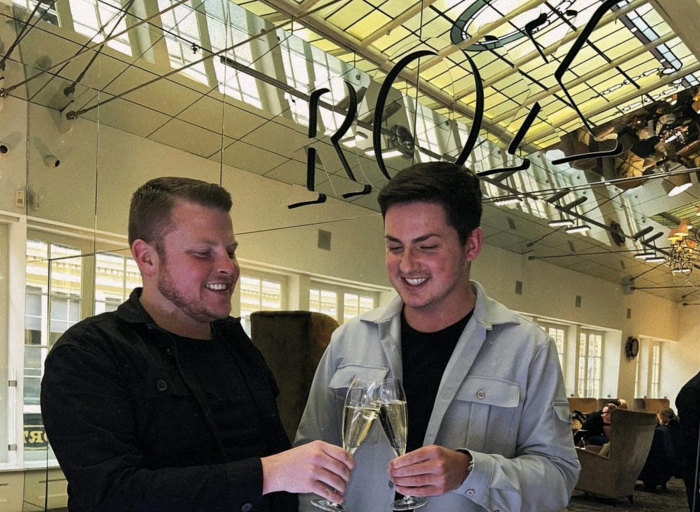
x=11, y=486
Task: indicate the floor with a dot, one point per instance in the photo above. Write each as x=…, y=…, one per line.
x=672, y=499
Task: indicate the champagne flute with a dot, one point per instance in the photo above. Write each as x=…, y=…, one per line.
x=360, y=410
x=394, y=420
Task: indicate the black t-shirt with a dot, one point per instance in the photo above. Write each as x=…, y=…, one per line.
x=424, y=358
x=217, y=371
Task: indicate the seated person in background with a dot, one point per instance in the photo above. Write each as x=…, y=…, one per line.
x=597, y=425
x=663, y=460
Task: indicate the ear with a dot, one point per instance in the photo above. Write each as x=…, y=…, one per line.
x=146, y=257
x=474, y=242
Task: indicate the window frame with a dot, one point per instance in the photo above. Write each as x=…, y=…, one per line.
x=340, y=291
x=583, y=360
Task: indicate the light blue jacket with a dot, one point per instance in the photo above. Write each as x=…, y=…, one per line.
x=501, y=397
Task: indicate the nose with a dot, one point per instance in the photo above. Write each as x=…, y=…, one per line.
x=407, y=262
x=227, y=265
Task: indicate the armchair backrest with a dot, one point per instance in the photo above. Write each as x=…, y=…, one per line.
x=292, y=343
x=615, y=474
x=630, y=433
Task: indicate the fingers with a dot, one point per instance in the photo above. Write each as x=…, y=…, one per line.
x=418, y=456
x=337, y=453
x=330, y=479
x=428, y=471
x=329, y=464
x=315, y=467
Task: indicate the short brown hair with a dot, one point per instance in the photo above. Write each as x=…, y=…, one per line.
x=456, y=188
x=151, y=204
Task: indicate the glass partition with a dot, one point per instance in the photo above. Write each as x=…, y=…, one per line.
x=103, y=96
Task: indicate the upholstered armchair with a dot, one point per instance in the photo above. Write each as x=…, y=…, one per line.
x=292, y=343
x=613, y=475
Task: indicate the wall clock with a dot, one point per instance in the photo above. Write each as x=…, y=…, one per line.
x=632, y=347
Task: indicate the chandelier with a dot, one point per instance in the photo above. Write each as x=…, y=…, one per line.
x=684, y=250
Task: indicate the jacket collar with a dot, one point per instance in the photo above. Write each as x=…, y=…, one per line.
x=133, y=312
x=487, y=312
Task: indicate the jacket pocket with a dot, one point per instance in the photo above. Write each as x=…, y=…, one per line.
x=344, y=375
x=484, y=415
x=489, y=391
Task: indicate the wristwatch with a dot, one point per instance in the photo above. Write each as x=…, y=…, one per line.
x=470, y=466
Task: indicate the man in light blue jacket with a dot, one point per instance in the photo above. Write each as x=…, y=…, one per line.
x=488, y=420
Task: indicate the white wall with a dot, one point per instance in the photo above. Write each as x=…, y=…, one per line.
x=681, y=361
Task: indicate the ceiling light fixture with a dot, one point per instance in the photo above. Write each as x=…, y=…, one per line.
x=386, y=153
x=352, y=140
x=561, y=223
x=675, y=184
x=578, y=229
x=685, y=249
x=656, y=259
x=647, y=255
x=506, y=200
x=575, y=203
x=643, y=232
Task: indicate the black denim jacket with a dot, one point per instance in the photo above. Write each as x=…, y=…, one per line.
x=132, y=430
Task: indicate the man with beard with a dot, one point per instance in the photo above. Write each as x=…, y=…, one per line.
x=488, y=420
x=165, y=404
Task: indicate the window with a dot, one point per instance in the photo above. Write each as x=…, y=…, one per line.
x=258, y=294
x=590, y=356
x=182, y=39
x=355, y=305
x=638, y=392
x=115, y=277
x=558, y=334
x=340, y=302
x=98, y=20
x=655, y=369
x=296, y=69
x=53, y=296
x=47, y=8
x=323, y=301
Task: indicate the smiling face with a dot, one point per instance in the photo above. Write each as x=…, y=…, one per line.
x=427, y=264
x=189, y=280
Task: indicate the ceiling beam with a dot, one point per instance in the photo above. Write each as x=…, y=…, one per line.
x=588, y=76
x=398, y=21
x=384, y=63
x=481, y=33
x=667, y=79
x=682, y=16
x=608, y=18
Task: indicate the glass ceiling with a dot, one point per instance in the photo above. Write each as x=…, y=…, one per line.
x=632, y=56
x=242, y=50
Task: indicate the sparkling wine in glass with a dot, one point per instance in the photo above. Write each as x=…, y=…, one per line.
x=359, y=413
x=394, y=419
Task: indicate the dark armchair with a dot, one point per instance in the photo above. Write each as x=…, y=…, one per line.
x=292, y=343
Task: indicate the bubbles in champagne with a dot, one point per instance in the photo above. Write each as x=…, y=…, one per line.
x=357, y=422
x=392, y=416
